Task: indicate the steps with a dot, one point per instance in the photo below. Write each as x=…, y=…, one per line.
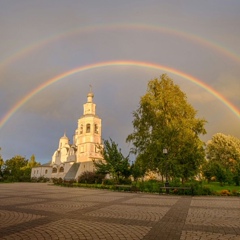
x=71, y=174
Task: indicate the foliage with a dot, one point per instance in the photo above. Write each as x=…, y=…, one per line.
x=40, y=179
x=31, y=163
x=1, y=165
x=223, y=154
x=225, y=193
x=18, y=169
x=12, y=168
x=114, y=163
x=216, y=187
x=108, y=181
x=138, y=169
x=90, y=177
x=164, y=119
x=125, y=181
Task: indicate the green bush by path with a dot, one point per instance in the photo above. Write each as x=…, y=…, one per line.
x=196, y=188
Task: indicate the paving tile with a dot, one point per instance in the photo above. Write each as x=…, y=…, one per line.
x=43, y=211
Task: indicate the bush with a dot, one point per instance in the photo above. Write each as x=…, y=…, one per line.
x=24, y=179
x=127, y=181
x=34, y=179
x=225, y=193
x=69, y=183
x=149, y=186
x=205, y=191
x=55, y=180
x=235, y=192
x=107, y=181
x=90, y=177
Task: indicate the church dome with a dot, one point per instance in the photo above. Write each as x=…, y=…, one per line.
x=90, y=97
x=63, y=141
x=90, y=94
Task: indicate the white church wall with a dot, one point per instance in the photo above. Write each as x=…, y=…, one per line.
x=38, y=172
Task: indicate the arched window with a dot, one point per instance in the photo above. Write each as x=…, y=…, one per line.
x=88, y=126
x=61, y=169
x=46, y=171
x=81, y=129
x=54, y=170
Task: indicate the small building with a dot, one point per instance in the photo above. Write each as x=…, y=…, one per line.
x=45, y=170
x=69, y=160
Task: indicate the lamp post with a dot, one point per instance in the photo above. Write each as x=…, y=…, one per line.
x=165, y=152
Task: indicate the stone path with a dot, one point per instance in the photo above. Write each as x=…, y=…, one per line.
x=42, y=211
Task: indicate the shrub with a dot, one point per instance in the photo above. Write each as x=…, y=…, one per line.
x=90, y=177
x=225, y=193
x=55, y=180
x=34, y=179
x=205, y=191
x=107, y=181
x=69, y=183
x=149, y=186
x=235, y=192
x=125, y=181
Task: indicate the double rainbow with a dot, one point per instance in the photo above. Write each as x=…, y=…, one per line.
x=23, y=52
x=118, y=63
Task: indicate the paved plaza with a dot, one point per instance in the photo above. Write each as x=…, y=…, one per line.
x=43, y=211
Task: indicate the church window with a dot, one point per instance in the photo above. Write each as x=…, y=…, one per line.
x=81, y=129
x=96, y=128
x=54, y=170
x=88, y=128
x=82, y=149
x=61, y=169
x=97, y=148
x=46, y=171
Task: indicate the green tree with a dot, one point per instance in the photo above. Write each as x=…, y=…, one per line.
x=26, y=170
x=12, y=167
x=114, y=163
x=138, y=169
x=1, y=165
x=224, y=150
x=208, y=170
x=164, y=119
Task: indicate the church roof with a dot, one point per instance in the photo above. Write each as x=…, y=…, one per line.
x=64, y=136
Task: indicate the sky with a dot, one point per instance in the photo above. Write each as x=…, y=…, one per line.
x=117, y=47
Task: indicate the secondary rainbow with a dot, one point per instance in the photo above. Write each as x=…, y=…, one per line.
x=113, y=27
x=118, y=63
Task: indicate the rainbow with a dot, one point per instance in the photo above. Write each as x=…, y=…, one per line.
x=141, y=27
x=118, y=63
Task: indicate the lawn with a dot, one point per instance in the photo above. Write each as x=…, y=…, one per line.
x=216, y=187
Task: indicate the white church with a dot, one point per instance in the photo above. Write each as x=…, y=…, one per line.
x=70, y=160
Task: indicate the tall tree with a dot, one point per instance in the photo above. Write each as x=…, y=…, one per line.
x=164, y=119
x=26, y=170
x=12, y=167
x=224, y=151
x=1, y=165
x=114, y=162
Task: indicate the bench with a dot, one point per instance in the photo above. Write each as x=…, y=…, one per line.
x=175, y=188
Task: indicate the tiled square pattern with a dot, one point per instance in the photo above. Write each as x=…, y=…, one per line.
x=43, y=211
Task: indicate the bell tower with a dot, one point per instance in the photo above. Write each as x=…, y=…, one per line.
x=87, y=136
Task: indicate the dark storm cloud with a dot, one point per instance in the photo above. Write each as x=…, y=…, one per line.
x=36, y=127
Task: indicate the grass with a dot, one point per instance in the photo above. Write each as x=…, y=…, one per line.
x=216, y=187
